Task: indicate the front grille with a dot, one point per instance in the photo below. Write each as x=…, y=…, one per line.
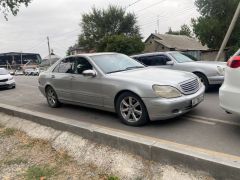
x=3, y=80
x=190, y=87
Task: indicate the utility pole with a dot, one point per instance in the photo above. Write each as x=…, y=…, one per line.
x=49, y=51
x=158, y=23
x=229, y=32
x=21, y=59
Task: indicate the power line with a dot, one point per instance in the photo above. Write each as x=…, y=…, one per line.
x=165, y=17
x=132, y=4
x=150, y=6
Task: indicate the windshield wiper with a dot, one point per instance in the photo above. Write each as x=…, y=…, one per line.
x=128, y=68
x=116, y=71
x=134, y=67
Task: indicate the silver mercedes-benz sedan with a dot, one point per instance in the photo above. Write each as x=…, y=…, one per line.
x=117, y=83
x=210, y=72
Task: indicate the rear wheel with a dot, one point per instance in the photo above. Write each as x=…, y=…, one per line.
x=131, y=109
x=203, y=79
x=52, y=98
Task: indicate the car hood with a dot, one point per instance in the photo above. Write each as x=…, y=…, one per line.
x=5, y=76
x=154, y=76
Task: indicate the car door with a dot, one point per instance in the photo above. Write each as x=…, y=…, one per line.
x=86, y=90
x=61, y=78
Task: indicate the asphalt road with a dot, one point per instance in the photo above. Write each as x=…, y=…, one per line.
x=207, y=126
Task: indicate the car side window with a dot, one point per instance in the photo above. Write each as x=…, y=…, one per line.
x=65, y=66
x=157, y=60
x=81, y=64
x=145, y=60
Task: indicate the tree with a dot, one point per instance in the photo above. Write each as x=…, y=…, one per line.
x=212, y=25
x=100, y=24
x=7, y=6
x=122, y=44
x=185, y=30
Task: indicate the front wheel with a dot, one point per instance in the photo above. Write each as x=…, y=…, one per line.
x=204, y=80
x=52, y=98
x=131, y=110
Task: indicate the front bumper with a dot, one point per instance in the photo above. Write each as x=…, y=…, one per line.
x=161, y=108
x=214, y=80
x=42, y=90
x=229, y=99
x=7, y=84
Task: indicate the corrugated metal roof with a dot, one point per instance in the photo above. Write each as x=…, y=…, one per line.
x=179, y=42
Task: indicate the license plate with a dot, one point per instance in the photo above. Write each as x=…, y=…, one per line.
x=2, y=83
x=197, y=100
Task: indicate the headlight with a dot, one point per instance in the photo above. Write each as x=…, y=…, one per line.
x=220, y=70
x=10, y=78
x=166, y=91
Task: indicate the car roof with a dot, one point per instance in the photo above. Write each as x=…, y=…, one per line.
x=153, y=53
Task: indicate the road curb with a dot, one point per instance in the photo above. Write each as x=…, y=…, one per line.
x=219, y=165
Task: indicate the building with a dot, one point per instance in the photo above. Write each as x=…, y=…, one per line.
x=76, y=50
x=17, y=60
x=191, y=46
x=49, y=60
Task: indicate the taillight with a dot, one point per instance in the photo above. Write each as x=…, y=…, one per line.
x=234, y=62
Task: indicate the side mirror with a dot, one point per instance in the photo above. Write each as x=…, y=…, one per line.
x=170, y=63
x=89, y=73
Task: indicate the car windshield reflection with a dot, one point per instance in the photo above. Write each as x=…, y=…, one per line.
x=111, y=63
x=180, y=58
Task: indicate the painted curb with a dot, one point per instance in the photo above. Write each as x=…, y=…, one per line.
x=219, y=165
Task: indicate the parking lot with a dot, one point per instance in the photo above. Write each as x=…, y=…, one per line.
x=207, y=126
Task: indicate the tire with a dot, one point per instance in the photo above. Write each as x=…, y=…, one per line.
x=203, y=79
x=131, y=109
x=52, y=98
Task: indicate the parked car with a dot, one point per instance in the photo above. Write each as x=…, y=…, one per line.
x=6, y=79
x=117, y=83
x=31, y=71
x=230, y=90
x=210, y=72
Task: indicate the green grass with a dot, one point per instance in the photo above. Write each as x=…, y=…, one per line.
x=8, y=132
x=113, y=178
x=36, y=172
x=16, y=161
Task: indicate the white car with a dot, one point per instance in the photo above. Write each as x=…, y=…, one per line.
x=230, y=91
x=6, y=79
x=32, y=71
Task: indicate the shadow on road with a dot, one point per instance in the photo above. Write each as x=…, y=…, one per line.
x=213, y=89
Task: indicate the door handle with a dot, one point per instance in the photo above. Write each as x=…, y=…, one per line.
x=53, y=76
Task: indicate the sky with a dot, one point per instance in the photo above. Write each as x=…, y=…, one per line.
x=60, y=19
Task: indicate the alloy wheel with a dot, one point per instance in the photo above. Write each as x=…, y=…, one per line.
x=131, y=109
x=51, y=96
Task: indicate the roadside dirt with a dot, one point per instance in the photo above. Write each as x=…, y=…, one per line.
x=22, y=157
x=32, y=151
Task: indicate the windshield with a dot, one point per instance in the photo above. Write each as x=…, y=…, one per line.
x=180, y=58
x=3, y=71
x=110, y=63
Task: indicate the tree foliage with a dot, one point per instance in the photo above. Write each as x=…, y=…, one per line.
x=12, y=6
x=122, y=44
x=100, y=24
x=212, y=25
x=185, y=30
